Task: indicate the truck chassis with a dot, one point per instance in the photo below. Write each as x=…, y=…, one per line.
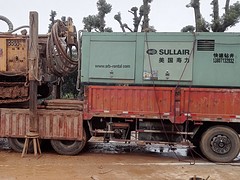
x=162, y=115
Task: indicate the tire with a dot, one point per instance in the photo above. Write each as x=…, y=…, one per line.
x=17, y=144
x=69, y=147
x=220, y=144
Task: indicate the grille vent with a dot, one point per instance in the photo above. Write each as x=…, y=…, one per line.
x=205, y=45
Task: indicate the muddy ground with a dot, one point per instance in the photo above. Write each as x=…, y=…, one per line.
x=110, y=161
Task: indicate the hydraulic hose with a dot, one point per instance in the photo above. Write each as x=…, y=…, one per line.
x=59, y=61
x=10, y=25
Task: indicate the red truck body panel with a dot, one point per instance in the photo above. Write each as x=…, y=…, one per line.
x=52, y=124
x=208, y=104
x=128, y=101
x=178, y=105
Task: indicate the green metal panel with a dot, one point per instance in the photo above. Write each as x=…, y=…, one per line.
x=139, y=58
x=112, y=60
x=85, y=56
x=168, y=58
x=108, y=57
x=168, y=61
x=221, y=66
x=162, y=58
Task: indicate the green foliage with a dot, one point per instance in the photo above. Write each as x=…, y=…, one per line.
x=152, y=29
x=188, y=28
x=103, y=7
x=69, y=82
x=97, y=22
x=202, y=25
x=108, y=29
x=69, y=86
x=52, y=20
x=91, y=22
x=219, y=23
x=231, y=18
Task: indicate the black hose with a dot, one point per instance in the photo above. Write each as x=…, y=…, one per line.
x=10, y=25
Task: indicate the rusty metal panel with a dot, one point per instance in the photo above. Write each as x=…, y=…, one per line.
x=16, y=55
x=60, y=124
x=14, y=122
x=129, y=101
x=52, y=124
x=13, y=92
x=3, y=62
x=210, y=102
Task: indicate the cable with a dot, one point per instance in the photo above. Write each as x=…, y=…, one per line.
x=58, y=61
x=185, y=67
x=178, y=83
x=10, y=25
x=163, y=126
x=21, y=27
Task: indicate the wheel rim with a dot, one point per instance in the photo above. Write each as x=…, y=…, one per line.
x=221, y=144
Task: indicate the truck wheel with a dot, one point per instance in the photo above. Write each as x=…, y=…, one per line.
x=69, y=147
x=220, y=144
x=17, y=144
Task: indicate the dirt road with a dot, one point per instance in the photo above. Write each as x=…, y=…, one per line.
x=103, y=166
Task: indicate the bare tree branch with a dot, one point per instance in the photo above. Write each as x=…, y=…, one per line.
x=131, y=12
x=144, y=11
x=136, y=19
x=201, y=24
x=119, y=19
x=127, y=27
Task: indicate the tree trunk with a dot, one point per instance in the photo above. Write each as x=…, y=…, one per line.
x=136, y=21
x=102, y=23
x=216, y=23
x=145, y=15
x=227, y=6
x=198, y=21
x=226, y=22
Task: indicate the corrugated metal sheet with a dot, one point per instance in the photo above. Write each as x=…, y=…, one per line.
x=196, y=104
x=54, y=124
x=215, y=104
x=210, y=101
x=148, y=102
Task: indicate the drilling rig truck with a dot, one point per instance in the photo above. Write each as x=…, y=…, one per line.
x=148, y=87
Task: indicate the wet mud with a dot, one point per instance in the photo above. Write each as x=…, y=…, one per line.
x=102, y=161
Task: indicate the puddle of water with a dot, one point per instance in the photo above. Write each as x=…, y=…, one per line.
x=119, y=147
x=115, y=147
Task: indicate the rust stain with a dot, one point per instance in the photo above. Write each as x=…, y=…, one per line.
x=53, y=124
x=128, y=100
x=202, y=104
x=13, y=92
